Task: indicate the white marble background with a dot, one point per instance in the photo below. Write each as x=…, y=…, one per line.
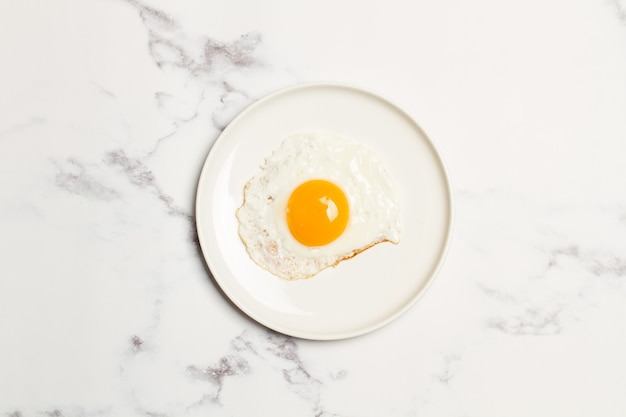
x=109, y=107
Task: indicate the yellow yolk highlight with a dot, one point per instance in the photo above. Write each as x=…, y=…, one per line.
x=317, y=212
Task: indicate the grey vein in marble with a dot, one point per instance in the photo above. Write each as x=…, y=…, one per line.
x=137, y=344
x=529, y=319
x=179, y=111
x=72, y=177
x=56, y=412
x=299, y=378
x=32, y=122
x=532, y=321
x=273, y=348
x=139, y=175
x=450, y=368
x=204, y=60
x=231, y=96
x=183, y=112
x=228, y=366
x=215, y=56
x=620, y=6
x=526, y=318
x=614, y=266
x=609, y=265
x=497, y=294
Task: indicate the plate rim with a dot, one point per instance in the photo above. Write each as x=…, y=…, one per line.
x=286, y=330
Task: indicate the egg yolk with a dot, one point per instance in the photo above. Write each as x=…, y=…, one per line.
x=317, y=212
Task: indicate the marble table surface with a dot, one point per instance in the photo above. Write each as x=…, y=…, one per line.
x=109, y=108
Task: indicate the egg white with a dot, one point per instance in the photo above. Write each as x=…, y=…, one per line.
x=374, y=213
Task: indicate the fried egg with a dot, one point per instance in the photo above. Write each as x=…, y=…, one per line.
x=318, y=200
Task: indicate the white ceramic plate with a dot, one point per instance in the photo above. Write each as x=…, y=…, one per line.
x=358, y=295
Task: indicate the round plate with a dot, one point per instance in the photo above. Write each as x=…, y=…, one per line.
x=360, y=294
